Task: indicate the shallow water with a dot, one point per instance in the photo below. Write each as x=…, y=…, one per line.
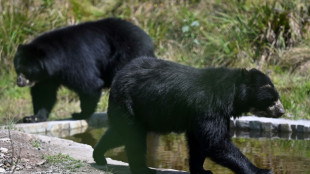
x=283, y=156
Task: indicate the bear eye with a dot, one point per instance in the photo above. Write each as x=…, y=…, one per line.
x=27, y=73
x=263, y=104
x=266, y=103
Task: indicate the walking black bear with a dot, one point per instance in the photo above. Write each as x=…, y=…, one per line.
x=83, y=57
x=153, y=95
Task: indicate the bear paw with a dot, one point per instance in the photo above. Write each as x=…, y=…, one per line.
x=99, y=157
x=100, y=160
x=32, y=119
x=80, y=116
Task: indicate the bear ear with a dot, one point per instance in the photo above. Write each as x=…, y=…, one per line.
x=244, y=72
x=246, y=75
x=254, y=70
x=30, y=49
x=35, y=50
x=254, y=73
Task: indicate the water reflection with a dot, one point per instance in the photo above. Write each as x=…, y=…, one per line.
x=289, y=156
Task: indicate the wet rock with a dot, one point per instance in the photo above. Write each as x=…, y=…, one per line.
x=267, y=127
x=306, y=129
x=255, y=125
x=294, y=128
x=285, y=128
x=243, y=125
x=300, y=128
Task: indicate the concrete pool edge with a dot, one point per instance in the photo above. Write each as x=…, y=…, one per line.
x=270, y=124
x=97, y=120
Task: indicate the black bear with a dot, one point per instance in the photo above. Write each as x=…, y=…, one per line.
x=83, y=57
x=153, y=95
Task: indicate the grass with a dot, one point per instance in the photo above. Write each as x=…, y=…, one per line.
x=36, y=144
x=295, y=92
x=273, y=36
x=69, y=162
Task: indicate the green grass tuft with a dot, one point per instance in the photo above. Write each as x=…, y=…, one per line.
x=69, y=162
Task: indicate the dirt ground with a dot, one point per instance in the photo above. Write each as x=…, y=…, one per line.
x=38, y=154
x=26, y=153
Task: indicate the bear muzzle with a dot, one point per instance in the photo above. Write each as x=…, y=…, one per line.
x=23, y=81
x=277, y=110
x=274, y=111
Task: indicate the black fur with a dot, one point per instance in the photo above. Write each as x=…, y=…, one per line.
x=83, y=57
x=152, y=95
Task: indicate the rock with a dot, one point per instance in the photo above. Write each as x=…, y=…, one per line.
x=255, y=125
x=300, y=128
x=285, y=128
x=294, y=128
x=306, y=129
x=4, y=150
x=267, y=127
x=243, y=125
x=41, y=163
x=2, y=170
x=5, y=139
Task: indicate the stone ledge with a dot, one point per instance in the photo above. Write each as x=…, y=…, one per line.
x=53, y=128
x=271, y=124
x=247, y=123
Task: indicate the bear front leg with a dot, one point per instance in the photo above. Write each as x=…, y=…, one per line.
x=196, y=155
x=43, y=100
x=88, y=105
x=228, y=155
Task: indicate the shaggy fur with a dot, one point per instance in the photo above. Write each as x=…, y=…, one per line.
x=82, y=57
x=152, y=95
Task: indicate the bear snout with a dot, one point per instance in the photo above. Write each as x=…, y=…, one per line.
x=274, y=111
x=21, y=80
x=277, y=110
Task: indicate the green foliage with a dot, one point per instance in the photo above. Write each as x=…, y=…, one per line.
x=244, y=33
x=36, y=144
x=295, y=92
x=70, y=163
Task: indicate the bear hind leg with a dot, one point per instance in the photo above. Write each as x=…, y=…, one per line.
x=108, y=141
x=88, y=105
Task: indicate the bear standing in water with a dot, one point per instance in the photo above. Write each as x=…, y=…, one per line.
x=153, y=95
x=83, y=57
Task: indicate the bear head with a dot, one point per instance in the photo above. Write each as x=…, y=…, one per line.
x=28, y=65
x=260, y=96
